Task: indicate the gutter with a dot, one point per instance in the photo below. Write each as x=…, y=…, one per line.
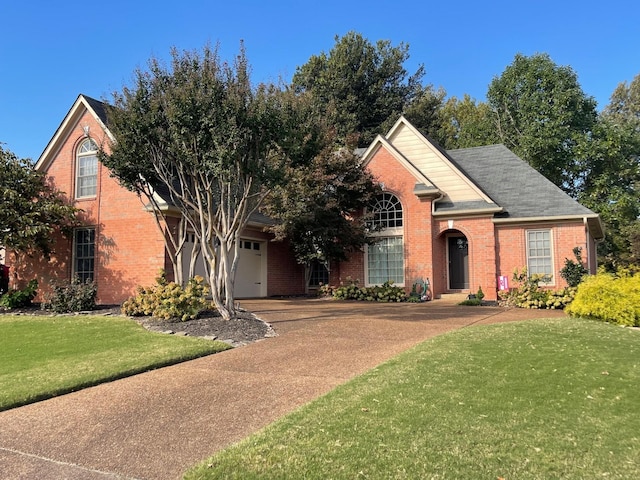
x=542, y=219
x=456, y=213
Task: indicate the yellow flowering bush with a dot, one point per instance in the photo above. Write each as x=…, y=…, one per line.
x=609, y=297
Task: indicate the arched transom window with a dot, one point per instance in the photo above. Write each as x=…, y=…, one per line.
x=387, y=211
x=87, y=169
x=385, y=257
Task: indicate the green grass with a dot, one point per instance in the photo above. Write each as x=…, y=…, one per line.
x=532, y=400
x=41, y=357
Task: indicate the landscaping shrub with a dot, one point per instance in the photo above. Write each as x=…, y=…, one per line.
x=529, y=294
x=386, y=292
x=609, y=297
x=474, y=300
x=17, y=298
x=471, y=302
x=168, y=300
x=72, y=297
x=573, y=272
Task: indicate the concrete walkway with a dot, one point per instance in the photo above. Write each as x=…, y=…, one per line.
x=157, y=424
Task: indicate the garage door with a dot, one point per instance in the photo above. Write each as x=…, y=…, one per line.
x=249, y=276
x=250, y=273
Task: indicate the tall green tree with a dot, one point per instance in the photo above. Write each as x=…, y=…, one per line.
x=624, y=104
x=32, y=209
x=199, y=131
x=609, y=181
x=360, y=86
x=609, y=184
x=541, y=113
x=320, y=206
x=465, y=123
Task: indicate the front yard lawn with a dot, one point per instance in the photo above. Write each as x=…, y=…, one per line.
x=41, y=357
x=530, y=400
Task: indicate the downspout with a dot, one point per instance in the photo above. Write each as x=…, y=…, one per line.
x=433, y=204
x=433, y=279
x=596, y=241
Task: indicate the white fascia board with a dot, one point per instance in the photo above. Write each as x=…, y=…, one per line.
x=71, y=118
x=403, y=121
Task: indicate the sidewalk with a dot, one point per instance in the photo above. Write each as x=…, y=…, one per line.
x=157, y=424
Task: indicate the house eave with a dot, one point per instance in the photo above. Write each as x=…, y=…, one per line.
x=468, y=212
x=539, y=219
x=424, y=191
x=73, y=115
x=593, y=222
x=166, y=209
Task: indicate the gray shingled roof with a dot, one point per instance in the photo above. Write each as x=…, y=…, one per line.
x=98, y=107
x=514, y=185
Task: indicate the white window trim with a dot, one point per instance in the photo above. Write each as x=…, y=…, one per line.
x=387, y=233
x=79, y=155
x=552, y=282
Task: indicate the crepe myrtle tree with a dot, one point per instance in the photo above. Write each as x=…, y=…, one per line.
x=198, y=131
x=32, y=208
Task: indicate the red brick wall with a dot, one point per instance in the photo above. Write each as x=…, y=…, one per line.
x=284, y=275
x=130, y=248
x=417, y=224
x=482, y=253
x=493, y=250
x=511, y=241
x=353, y=270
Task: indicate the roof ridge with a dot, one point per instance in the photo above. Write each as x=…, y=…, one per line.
x=479, y=147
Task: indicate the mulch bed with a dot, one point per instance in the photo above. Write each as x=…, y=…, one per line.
x=245, y=329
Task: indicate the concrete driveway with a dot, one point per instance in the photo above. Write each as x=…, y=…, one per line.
x=157, y=424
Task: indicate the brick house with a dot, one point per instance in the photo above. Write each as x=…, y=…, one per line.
x=463, y=218
x=460, y=218
x=120, y=246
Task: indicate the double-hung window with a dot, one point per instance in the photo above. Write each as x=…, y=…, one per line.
x=87, y=169
x=319, y=274
x=385, y=257
x=84, y=254
x=540, y=254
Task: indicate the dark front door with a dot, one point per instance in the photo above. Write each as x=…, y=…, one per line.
x=458, y=263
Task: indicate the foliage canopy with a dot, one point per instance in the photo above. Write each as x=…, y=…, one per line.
x=360, y=86
x=32, y=209
x=199, y=134
x=541, y=113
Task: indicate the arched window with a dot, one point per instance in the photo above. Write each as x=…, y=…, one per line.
x=387, y=211
x=385, y=257
x=87, y=169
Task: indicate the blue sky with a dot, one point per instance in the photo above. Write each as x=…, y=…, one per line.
x=52, y=51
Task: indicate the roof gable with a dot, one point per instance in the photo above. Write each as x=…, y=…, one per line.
x=82, y=105
x=381, y=142
x=435, y=164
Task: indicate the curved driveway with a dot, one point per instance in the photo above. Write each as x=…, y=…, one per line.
x=157, y=424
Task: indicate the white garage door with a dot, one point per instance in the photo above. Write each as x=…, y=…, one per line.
x=249, y=276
